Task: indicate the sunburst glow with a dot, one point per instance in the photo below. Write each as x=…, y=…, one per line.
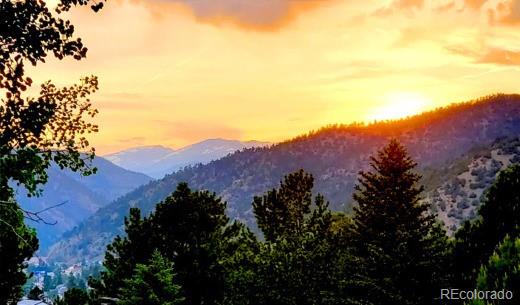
x=401, y=104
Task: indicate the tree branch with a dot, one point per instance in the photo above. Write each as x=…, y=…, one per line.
x=35, y=216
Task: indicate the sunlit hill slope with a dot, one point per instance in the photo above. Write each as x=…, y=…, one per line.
x=437, y=140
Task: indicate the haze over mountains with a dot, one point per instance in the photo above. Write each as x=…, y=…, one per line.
x=158, y=161
x=443, y=142
x=82, y=196
x=117, y=175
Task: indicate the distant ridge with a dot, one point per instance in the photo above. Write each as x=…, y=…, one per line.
x=334, y=155
x=83, y=197
x=139, y=159
x=157, y=161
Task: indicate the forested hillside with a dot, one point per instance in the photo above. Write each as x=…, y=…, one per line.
x=464, y=182
x=334, y=155
x=81, y=197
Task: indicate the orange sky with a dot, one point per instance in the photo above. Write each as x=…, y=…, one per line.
x=174, y=72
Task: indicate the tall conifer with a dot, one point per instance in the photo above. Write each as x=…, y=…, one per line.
x=398, y=242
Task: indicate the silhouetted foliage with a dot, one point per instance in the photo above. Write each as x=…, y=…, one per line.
x=74, y=296
x=36, y=131
x=402, y=250
x=35, y=293
x=124, y=253
x=502, y=271
x=280, y=213
x=50, y=127
x=151, y=284
x=498, y=216
x=305, y=258
x=188, y=228
x=17, y=245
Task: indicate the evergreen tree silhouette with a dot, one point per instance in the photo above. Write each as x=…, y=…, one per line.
x=401, y=248
x=499, y=216
x=281, y=212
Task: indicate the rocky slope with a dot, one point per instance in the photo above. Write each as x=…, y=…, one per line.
x=459, y=198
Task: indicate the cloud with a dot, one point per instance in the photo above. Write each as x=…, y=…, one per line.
x=398, y=5
x=507, y=13
x=447, y=7
x=411, y=6
x=412, y=34
x=259, y=15
x=501, y=57
x=408, y=3
x=474, y=4
x=495, y=56
x=504, y=12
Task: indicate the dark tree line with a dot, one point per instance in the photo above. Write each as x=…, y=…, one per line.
x=390, y=251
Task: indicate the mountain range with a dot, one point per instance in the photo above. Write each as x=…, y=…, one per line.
x=117, y=174
x=157, y=161
x=81, y=197
x=445, y=142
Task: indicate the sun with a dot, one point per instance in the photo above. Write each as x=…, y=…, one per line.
x=400, y=105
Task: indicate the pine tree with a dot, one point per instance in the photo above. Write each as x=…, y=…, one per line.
x=280, y=212
x=123, y=254
x=400, y=247
x=299, y=263
x=190, y=229
x=501, y=210
x=73, y=296
x=240, y=262
x=499, y=216
x=503, y=270
x=151, y=284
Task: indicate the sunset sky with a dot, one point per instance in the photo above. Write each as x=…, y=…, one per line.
x=174, y=72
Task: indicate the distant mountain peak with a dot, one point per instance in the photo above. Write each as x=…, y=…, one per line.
x=157, y=161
